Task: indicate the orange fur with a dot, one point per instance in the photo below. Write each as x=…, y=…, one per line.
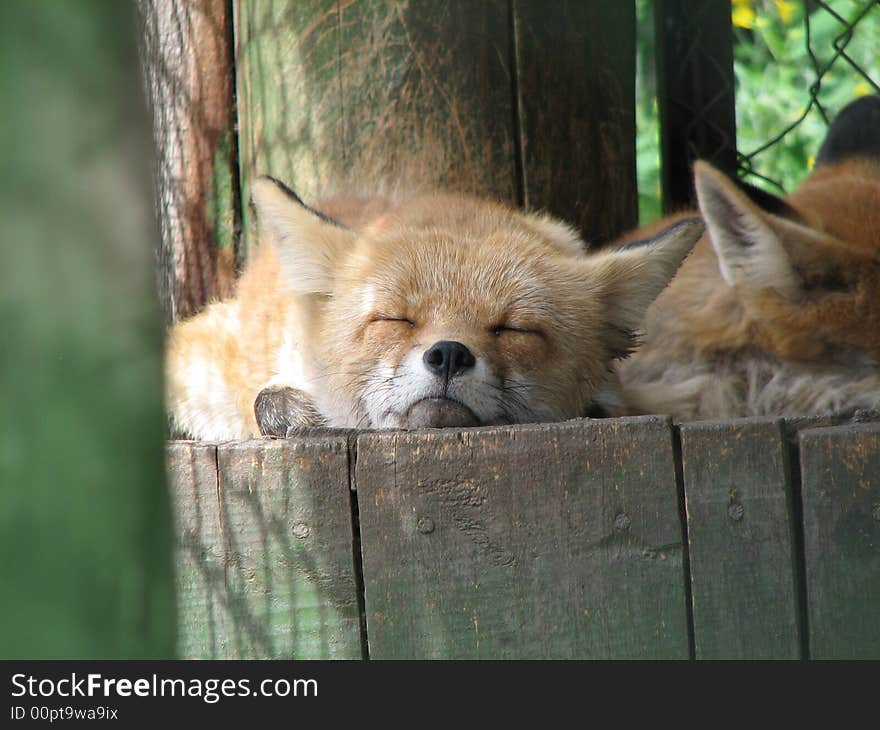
x=347, y=316
x=768, y=301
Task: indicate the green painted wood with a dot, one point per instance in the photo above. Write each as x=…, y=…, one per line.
x=371, y=98
x=85, y=523
x=553, y=540
x=204, y=623
x=840, y=475
x=741, y=540
x=285, y=517
x=575, y=76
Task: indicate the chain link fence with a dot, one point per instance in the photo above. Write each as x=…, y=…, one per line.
x=758, y=107
x=841, y=40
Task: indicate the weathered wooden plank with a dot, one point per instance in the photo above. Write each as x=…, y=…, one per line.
x=85, y=521
x=794, y=425
x=744, y=575
x=840, y=475
x=285, y=516
x=554, y=540
x=203, y=623
x=187, y=63
x=575, y=76
x=367, y=97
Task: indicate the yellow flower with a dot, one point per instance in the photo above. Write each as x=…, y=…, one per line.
x=811, y=162
x=743, y=16
x=862, y=88
x=785, y=8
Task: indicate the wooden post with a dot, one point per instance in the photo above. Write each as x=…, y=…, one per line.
x=575, y=88
x=525, y=102
x=188, y=67
x=694, y=47
x=85, y=523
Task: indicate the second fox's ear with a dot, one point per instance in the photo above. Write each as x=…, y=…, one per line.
x=629, y=278
x=310, y=245
x=756, y=239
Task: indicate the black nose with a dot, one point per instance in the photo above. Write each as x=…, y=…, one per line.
x=448, y=358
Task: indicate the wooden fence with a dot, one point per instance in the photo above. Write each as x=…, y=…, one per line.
x=618, y=538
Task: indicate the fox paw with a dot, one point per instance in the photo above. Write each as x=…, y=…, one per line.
x=279, y=409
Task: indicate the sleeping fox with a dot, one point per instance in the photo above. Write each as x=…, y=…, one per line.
x=444, y=310
x=777, y=311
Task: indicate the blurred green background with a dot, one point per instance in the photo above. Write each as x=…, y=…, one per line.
x=85, y=525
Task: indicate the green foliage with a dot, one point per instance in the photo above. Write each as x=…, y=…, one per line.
x=775, y=82
x=776, y=79
x=647, y=120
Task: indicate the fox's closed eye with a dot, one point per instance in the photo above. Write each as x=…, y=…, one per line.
x=440, y=311
x=389, y=318
x=501, y=329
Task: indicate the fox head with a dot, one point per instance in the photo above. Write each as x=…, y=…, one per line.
x=805, y=269
x=454, y=311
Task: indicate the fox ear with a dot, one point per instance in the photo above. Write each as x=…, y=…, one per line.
x=309, y=244
x=755, y=237
x=631, y=276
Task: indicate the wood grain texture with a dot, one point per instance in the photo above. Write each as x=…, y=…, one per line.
x=203, y=618
x=286, y=513
x=695, y=93
x=557, y=540
x=187, y=63
x=267, y=568
x=377, y=98
x=740, y=534
x=576, y=96
x=840, y=474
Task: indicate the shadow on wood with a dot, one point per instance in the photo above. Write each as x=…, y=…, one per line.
x=265, y=559
x=546, y=541
x=549, y=541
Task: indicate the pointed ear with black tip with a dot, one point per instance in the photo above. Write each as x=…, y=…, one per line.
x=755, y=246
x=309, y=244
x=632, y=276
